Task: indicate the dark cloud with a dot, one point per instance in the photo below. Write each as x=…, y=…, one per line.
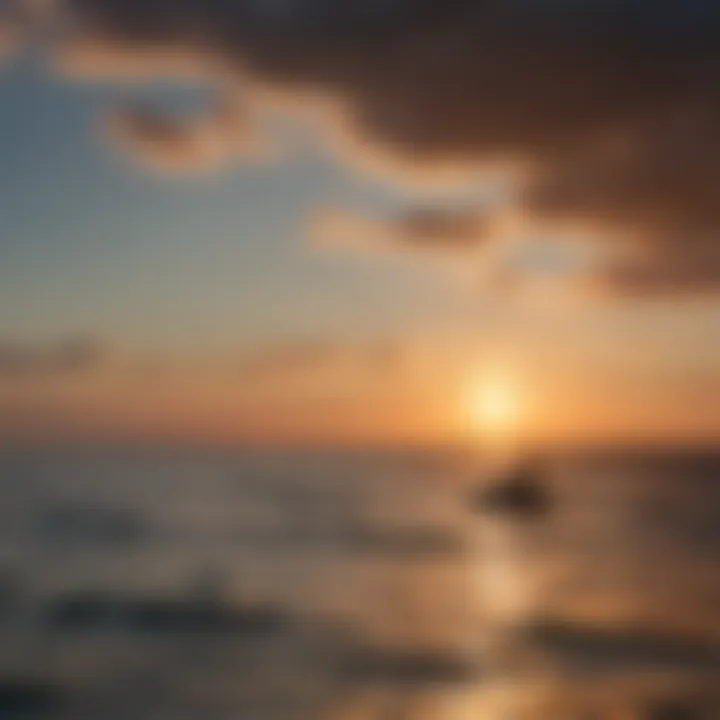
x=70, y=356
x=456, y=229
x=608, y=111
x=422, y=229
x=667, y=271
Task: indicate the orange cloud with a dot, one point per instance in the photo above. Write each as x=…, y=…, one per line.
x=187, y=144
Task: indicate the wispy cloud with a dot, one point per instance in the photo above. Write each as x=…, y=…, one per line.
x=434, y=230
x=66, y=357
x=331, y=364
x=177, y=144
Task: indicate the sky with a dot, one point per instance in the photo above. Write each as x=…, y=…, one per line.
x=301, y=222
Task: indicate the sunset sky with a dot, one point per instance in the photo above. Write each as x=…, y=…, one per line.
x=265, y=235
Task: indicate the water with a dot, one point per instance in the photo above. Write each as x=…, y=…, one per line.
x=260, y=585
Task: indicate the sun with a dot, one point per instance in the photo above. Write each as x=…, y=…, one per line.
x=495, y=405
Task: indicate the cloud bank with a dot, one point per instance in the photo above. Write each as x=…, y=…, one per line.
x=69, y=356
x=607, y=112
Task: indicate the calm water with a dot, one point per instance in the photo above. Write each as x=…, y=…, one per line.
x=168, y=584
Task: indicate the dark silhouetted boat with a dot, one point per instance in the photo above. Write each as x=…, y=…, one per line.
x=521, y=493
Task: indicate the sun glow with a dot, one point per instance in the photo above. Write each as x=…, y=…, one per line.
x=495, y=406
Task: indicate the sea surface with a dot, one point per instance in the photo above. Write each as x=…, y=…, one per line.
x=178, y=584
